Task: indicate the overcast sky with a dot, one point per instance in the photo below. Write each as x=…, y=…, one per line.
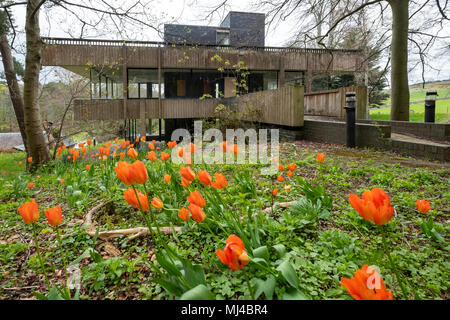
x=62, y=24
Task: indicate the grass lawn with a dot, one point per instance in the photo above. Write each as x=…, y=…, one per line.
x=417, y=112
x=297, y=252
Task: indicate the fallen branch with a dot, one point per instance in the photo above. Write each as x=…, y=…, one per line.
x=134, y=232
x=88, y=218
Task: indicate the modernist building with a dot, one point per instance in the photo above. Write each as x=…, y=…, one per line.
x=165, y=80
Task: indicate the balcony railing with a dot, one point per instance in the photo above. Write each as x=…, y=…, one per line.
x=133, y=43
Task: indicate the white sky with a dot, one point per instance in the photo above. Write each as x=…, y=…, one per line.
x=62, y=24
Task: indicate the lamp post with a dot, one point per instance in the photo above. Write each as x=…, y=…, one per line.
x=350, y=108
x=430, y=106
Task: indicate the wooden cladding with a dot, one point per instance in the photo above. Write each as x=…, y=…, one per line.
x=65, y=55
x=331, y=103
x=282, y=106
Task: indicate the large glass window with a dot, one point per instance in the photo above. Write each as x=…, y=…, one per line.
x=262, y=80
x=294, y=78
x=223, y=37
x=143, y=84
x=191, y=83
x=106, y=83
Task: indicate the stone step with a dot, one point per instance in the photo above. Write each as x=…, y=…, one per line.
x=419, y=147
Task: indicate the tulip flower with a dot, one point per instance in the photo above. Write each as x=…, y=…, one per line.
x=204, y=177
x=88, y=167
x=280, y=168
x=234, y=255
x=151, y=146
x=375, y=206
x=124, y=172
x=287, y=187
x=89, y=142
x=123, y=144
x=280, y=178
x=292, y=167
x=274, y=192
x=366, y=285
x=180, y=152
x=289, y=174
x=29, y=211
x=62, y=181
x=122, y=155
x=234, y=149
x=20, y=163
x=197, y=213
x=220, y=181
x=224, y=146
x=183, y=214
x=192, y=148
x=165, y=156
x=151, y=156
x=30, y=159
x=185, y=182
x=167, y=178
x=320, y=157
x=171, y=144
x=423, y=206
x=54, y=216
x=30, y=184
x=188, y=161
x=157, y=203
x=132, y=153
x=139, y=172
x=187, y=173
x=197, y=199
x=140, y=202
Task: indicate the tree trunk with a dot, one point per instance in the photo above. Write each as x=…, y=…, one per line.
x=399, y=60
x=13, y=86
x=37, y=145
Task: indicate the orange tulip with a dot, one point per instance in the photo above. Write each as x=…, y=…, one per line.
x=130, y=197
x=274, y=192
x=132, y=153
x=62, y=181
x=89, y=142
x=158, y=148
x=20, y=163
x=63, y=147
x=30, y=185
x=224, y=146
x=185, y=182
x=366, y=285
x=287, y=187
x=151, y=146
x=292, y=166
x=220, y=181
x=165, y=156
x=124, y=172
x=375, y=206
x=81, y=144
x=280, y=178
x=137, y=139
x=423, y=206
x=197, y=213
x=171, y=144
x=157, y=203
x=192, y=148
x=88, y=167
x=320, y=157
x=29, y=211
x=280, y=168
x=151, y=156
x=204, y=177
x=38, y=177
x=139, y=172
x=143, y=139
x=183, y=214
x=180, y=152
x=187, y=173
x=197, y=199
x=123, y=144
x=289, y=174
x=153, y=141
x=108, y=144
x=54, y=216
x=234, y=149
x=167, y=178
x=122, y=155
x=234, y=255
x=30, y=159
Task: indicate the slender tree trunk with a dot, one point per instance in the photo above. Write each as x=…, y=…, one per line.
x=13, y=86
x=399, y=60
x=37, y=145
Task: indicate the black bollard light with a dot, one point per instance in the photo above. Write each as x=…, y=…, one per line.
x=430, y=106
x=350, y=108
